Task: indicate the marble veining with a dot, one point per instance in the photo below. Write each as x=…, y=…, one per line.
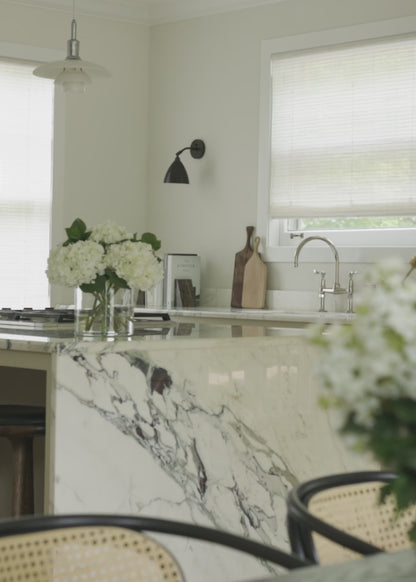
x=196, y=425
x=178, y=432
x=211, y=433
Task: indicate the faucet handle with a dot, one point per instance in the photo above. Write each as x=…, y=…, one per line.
x=350, y=307
x=351, y=280
x=323, y=274
x=321, y=294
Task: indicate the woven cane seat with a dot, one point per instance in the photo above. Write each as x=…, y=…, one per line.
x=87, y=554
x=354, y=509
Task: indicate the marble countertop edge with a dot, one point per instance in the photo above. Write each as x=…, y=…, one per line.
x=213, y=325
x=269, y=315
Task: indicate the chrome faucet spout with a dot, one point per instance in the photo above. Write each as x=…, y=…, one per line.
x=331, y=246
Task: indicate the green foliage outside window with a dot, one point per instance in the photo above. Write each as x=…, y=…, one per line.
x=352, y=223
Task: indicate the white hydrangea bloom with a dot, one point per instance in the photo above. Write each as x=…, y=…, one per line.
x=76, y=264
x=109, y=232
x=136, y=263
x=374, y=357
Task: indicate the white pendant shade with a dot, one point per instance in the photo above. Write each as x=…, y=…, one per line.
x=73, y=79
x=73, y=74
x=54, y=69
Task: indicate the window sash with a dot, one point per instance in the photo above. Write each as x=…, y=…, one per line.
x=26, y=141
x=343, y=136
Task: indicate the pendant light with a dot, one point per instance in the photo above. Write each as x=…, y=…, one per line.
x=73, y=74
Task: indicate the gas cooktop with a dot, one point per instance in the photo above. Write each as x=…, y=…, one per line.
x=52, y=318
x=35, y=318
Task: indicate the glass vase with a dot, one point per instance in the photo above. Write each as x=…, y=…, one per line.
x=107, y=313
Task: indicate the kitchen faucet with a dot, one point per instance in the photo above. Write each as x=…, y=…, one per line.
x=336, y=289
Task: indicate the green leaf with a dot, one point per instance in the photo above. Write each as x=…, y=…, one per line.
x=115, y=281
x=412, y=534
x=151, y=239
x=77, y=231
x=394, y=340
x=404, y=490
x=404, y=409
x=386, y=491
x=97, y=286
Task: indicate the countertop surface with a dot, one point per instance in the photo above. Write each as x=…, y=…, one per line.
x=202, y=324
x=397, y=567
x=266, y=315
x=148, y=334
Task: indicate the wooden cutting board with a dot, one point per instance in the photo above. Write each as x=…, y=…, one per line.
x=241, y=259
x=255, y=279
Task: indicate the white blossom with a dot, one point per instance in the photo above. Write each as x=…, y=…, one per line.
x=107, y=250
x=76, y=264
x=109, y=232
x=373, y=358
x=136, y=263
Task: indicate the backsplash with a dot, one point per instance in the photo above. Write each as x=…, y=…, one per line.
x=287, y=300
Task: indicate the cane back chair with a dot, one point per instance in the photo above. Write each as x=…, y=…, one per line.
x=339, y=518
x=70, y=548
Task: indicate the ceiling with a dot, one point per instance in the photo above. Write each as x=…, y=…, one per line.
x=148, y=11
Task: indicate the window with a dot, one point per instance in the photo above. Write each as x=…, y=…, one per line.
x=26, y=140
x=338, y=138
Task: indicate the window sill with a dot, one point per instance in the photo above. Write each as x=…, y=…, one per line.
x=318, y=251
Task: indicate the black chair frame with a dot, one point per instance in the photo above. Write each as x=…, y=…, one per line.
x=301, y=522
x=24, y=525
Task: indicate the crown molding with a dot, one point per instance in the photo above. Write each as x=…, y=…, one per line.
x=164, y=11
x=150, y=12
x=131, y=10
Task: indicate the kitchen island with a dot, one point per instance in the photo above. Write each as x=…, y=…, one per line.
x=208, y=423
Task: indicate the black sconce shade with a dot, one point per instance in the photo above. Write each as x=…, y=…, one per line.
x=176, y=173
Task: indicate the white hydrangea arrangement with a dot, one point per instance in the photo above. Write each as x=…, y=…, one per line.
x=106, y=255
x=368, y=371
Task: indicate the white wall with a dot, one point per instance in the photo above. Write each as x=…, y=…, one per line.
x=172, y=83
x=204, y=83
x=101, y=169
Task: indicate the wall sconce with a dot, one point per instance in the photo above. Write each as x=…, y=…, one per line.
x=176, y=173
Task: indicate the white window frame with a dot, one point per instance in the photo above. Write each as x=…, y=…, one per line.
x=363, y=250
x=39, y=54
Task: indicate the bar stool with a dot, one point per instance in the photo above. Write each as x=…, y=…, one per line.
x=20, y=424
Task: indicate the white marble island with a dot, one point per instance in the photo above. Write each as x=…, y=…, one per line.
x=189, y=422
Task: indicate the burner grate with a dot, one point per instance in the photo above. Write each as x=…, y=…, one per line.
x=48, y=315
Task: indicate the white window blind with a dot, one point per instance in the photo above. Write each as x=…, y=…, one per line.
x=344, y=130
x=26, y=122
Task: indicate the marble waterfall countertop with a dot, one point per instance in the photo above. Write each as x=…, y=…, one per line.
x=185, y=326
x=208, y=423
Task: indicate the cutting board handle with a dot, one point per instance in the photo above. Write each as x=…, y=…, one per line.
x=255, y=278
x=250, y=230
x=240, y=261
